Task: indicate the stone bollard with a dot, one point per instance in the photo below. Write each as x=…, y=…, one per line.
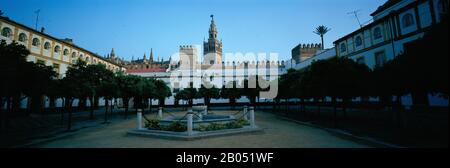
x=160, y=114
x=246, y=112
x=189, y=123
x=252, y=117
x=139, y=119
x=205, y=112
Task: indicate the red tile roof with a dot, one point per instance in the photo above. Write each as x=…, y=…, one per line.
x=146, y=70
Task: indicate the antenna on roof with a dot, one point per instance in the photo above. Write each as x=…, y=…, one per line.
x=37, y=18
x=355, y=13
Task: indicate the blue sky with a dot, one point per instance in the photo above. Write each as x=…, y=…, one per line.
x=132, y=27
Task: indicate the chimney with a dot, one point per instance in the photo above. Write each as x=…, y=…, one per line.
x=42, y=30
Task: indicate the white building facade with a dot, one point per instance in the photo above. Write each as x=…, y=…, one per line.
x=395, y=24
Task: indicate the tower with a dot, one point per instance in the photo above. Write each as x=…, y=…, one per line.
x=151, y=55
x=113, y=54
x=212, y=49
x=188, y=57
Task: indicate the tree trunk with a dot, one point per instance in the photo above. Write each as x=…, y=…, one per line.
x=111, y=107
x=106, y=110
x=344, y=108
x=322, y=42
x=64, y=108
x=91, y=107
x=318, y=107
x=1, y=113
x=69, y=122
x=125, y=103
x=335, y=112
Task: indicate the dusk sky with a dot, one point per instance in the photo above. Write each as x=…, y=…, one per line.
x=132, y=27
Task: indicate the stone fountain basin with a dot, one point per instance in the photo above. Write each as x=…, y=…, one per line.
x=199, y=108
x=222, y=119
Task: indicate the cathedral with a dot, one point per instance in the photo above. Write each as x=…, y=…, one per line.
x=144, y=65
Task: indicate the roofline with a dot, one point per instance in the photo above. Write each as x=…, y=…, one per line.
x=6, y=19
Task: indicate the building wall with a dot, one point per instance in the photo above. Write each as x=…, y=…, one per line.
x=49, y=56
x=393, y=36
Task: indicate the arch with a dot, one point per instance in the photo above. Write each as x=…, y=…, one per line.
x=47, y=45
x=23, y=37
x=407, y=20
x=57, y=49
x=358, y=41
x=66, y=52
x=6, y=32
x=377, y=33
x=36, y=42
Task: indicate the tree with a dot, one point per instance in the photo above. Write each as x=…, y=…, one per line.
x=182, y=95
x=337, y=77
x=128, y=88
x=208, y=92
x=107, y=88
x=321, y=31
x=39, y=83
x=251, y=88
x=162, y=91
x=231, y=91
x=12, y=74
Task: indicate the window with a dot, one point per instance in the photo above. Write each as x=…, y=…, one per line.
x=377, y=33
x=74, y=55
x=343, y=47
x=6, y=32
x=23, y=37
x=36, y=42
x=57, y=49
x=81, y=55
x=47, y=45
x=66, y=52
x=211, y=62
x=407, y=20
x=380, y=59
x=358, y=41
x=87, y=59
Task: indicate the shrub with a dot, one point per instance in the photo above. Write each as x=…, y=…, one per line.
x=153, y=124
x=175, y=127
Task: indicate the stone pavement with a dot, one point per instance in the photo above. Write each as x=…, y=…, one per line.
x=278, y=133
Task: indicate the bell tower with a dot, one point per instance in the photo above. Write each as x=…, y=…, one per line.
x=212, y=49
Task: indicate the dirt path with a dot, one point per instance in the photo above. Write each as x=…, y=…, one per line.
x=278, y=133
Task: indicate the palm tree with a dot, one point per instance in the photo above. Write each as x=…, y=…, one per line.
x=321, y=31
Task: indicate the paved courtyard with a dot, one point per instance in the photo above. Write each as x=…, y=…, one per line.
x=278, y=133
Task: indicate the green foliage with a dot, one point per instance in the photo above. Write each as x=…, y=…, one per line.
x=153, y=124
x=208, y=92
x=219, y=126
x=175, y=127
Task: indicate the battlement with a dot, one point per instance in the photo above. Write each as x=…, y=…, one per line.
x=187, y=47
x=310, y=46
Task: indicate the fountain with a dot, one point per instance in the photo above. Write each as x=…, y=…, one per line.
x=197, y=123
